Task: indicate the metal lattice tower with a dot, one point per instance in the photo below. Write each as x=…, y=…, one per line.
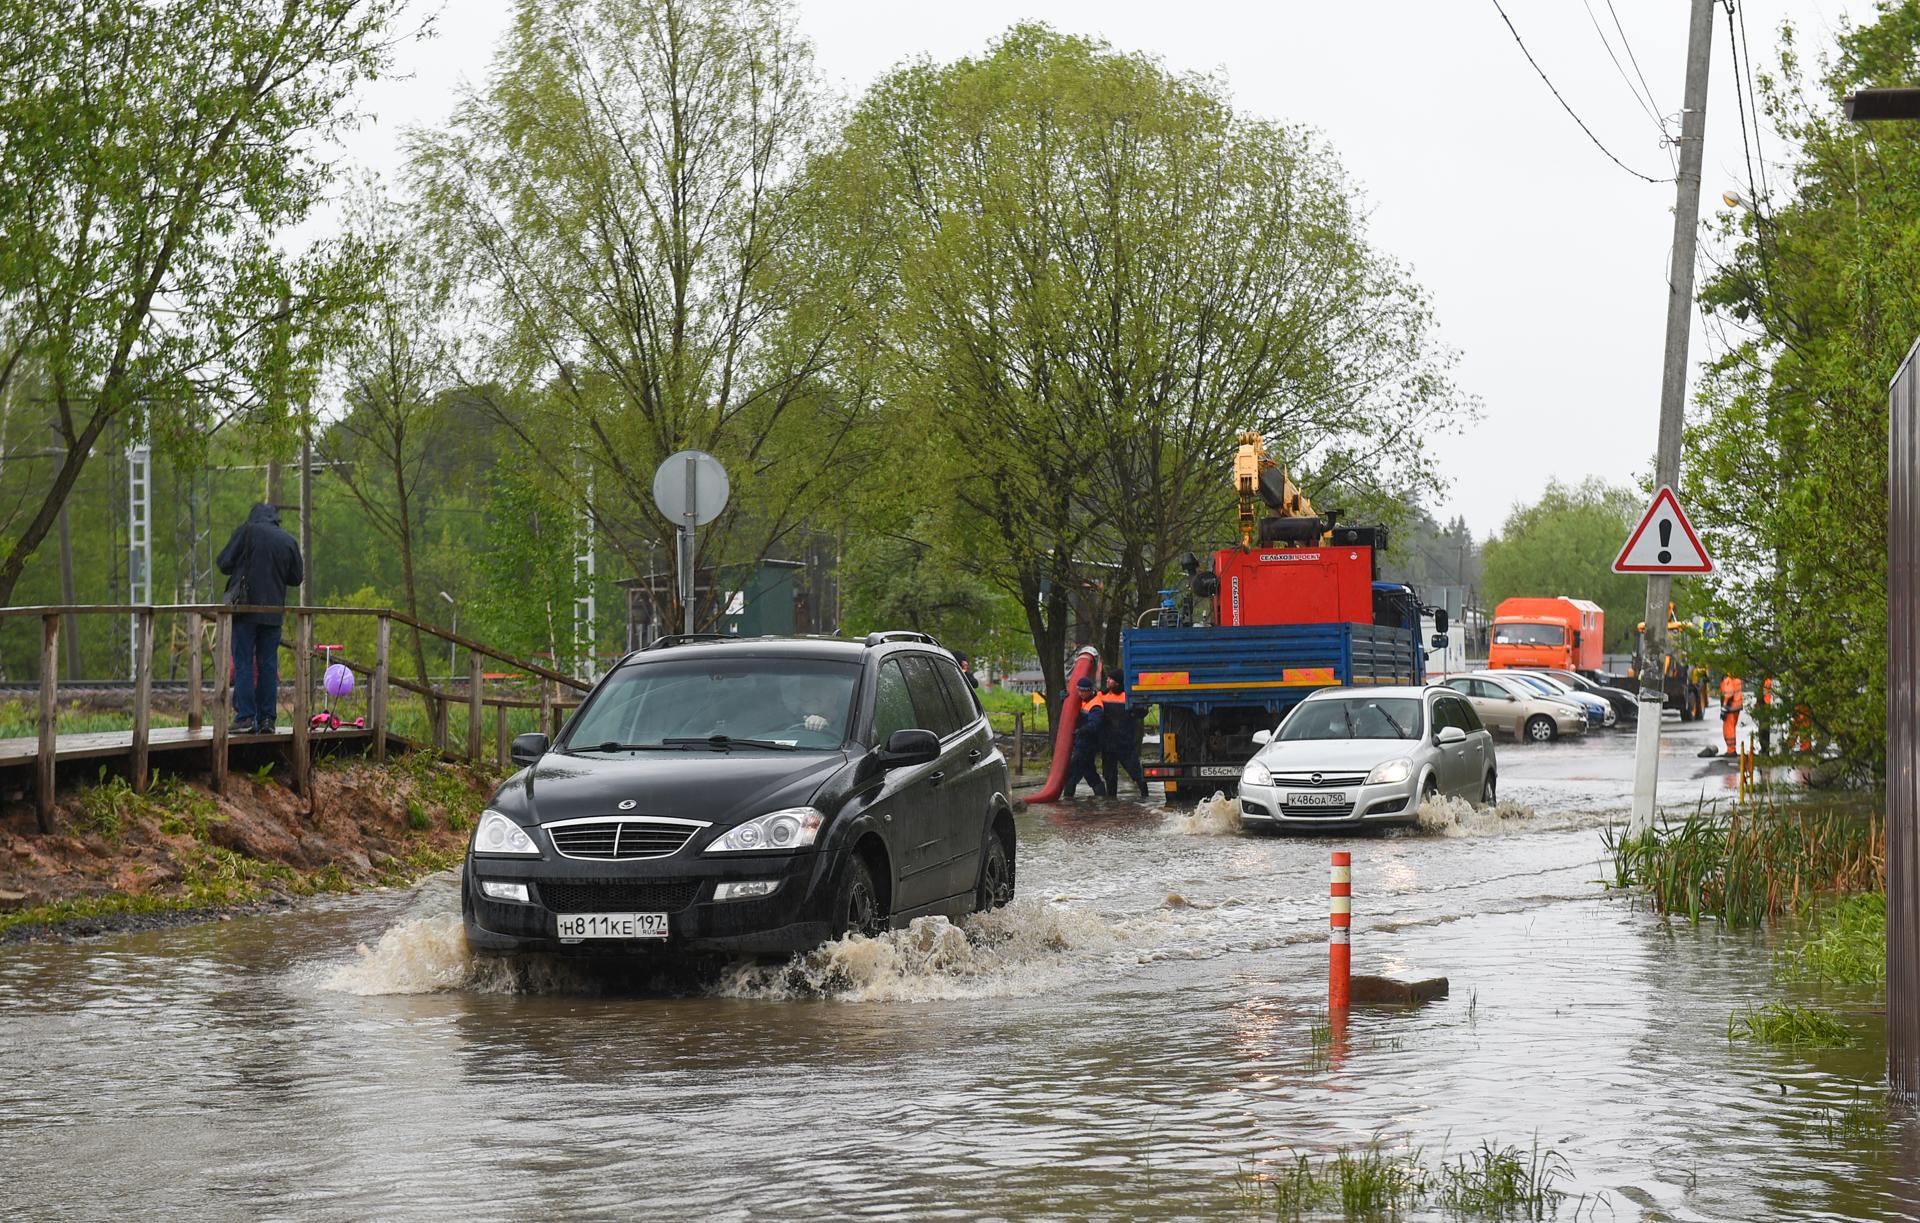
x=583, y=604
x=139, y=541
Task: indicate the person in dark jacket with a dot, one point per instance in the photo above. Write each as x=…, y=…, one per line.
x=1120, y=738
x=1086, y=742
x=260, y=560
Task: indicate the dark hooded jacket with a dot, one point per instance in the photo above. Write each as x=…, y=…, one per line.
x=266, y=557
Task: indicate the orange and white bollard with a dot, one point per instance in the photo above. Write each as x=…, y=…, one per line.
x=1339, y=920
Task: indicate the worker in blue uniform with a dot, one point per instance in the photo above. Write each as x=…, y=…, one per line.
x=1120, y=738
x=1086, y=741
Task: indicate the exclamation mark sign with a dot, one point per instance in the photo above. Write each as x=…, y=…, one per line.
x=1666, y=539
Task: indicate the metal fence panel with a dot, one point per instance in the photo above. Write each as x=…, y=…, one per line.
x=1903, y=729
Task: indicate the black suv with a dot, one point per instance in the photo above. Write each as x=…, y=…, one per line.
x=752, y=796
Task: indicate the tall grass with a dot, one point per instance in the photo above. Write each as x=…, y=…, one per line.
x=1780, y=1023
x=1748, y=869
x=1844, y=943
x=1490, y=1182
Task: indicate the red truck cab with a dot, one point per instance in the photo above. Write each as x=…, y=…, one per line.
x=1559, y=634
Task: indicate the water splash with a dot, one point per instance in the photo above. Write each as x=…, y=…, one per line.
x=1218, y=816
x=1456, y=817
x=429, y=955
x=1025, y=948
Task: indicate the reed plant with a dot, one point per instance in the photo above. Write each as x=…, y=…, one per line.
x=1781, y=1023
x=1748, y=867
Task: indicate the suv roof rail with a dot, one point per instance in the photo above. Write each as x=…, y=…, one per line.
x=674, y=639
x=899, y=634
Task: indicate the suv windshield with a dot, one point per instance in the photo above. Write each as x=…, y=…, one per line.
x=792, y=702
x=1529, y=634
x=1356, y=717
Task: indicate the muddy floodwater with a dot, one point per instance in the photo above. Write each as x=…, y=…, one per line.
x=1133, y=1038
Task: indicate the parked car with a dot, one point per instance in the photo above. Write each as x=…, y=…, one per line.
x=747, y=796
x=1507, y=705
x=1357, y=756
x=1626, y=705
x=1599, y=712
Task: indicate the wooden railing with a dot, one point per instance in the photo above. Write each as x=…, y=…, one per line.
x=550, y=700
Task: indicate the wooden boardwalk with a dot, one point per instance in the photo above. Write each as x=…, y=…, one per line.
x=104, y=745
x=208, y=732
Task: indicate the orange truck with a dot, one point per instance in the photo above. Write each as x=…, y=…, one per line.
x=1556, y=634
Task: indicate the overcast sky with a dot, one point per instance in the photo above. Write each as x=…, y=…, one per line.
x=1545, y=262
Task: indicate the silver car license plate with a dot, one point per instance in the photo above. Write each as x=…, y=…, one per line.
x=1318, y=798
x=575, y=926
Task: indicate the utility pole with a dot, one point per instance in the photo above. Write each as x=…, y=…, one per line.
x=1673, y=397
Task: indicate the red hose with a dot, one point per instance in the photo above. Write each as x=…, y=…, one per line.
x=1086, y=665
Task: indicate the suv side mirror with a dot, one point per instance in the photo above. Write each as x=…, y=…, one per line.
x=906, y=747
x=1262, y=737
x=1450, y=734
x=527, y=749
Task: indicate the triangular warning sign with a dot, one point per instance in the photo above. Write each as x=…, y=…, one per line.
x=1664, y=541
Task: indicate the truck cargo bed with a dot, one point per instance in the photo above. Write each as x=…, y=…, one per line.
x=1272, y=666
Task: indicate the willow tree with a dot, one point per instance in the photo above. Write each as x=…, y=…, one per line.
x=151, y=158
x=627, y=198
x=1096, y=275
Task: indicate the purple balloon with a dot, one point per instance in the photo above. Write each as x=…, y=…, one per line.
x=339, y=680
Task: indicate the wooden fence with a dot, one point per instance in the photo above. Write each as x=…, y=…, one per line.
x=550, y=698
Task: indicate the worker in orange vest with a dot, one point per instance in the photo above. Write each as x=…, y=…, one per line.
x=1730, y=702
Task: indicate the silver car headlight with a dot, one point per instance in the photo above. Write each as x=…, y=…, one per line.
x=1391, y=771
x=793, y=828
x=1256, y=774
x=499, y=835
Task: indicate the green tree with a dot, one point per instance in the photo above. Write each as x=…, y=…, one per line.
x=398, y=370
x=151, y=157
x=1092, y=275
x=627, y=198
x=1564, y=544
x=1786, y=468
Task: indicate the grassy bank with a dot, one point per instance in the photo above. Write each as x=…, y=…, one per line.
x=116, y=856
x=1749, y=868
x=1823, y=870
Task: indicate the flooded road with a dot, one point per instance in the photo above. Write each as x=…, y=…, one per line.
x=1132, y=1038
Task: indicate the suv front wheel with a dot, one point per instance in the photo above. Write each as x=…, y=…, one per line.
x=856, y=903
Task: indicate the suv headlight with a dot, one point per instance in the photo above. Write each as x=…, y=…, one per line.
x=499, y=835
x=1390, y=772
x=1256, y=774
x=794, y=828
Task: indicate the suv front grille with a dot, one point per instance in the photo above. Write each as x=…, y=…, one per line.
x=617, y=895
x=619, y=840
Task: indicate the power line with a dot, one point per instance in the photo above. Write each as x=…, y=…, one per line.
x=1646, y=102
x=1759, y=154
x=1635, y=61
x=1563, y=102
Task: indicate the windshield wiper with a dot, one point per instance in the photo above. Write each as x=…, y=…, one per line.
x=613, y=746
x=723, y=742
x=1399, y=731
x=1352, y=732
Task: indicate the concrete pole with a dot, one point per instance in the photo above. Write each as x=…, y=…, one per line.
x=1673, y=397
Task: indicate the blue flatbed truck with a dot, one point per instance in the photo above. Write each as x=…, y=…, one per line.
x=1215, y=685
